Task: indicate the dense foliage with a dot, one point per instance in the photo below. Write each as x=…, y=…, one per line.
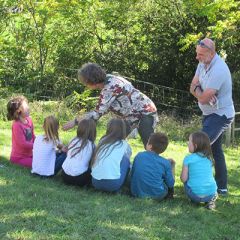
x=42, y=43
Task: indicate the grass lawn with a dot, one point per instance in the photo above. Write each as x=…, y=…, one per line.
x=32, y=208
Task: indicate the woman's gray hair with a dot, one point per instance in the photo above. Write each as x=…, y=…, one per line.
x=91, y=73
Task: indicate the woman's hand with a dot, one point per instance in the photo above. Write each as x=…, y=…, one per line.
x=69, y=125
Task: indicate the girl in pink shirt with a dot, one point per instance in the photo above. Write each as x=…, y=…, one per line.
x=22, y=131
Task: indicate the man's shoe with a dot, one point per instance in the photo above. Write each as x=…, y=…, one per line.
x=222, y=192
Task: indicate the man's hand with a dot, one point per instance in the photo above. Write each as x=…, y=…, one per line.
x=213, y=100
x=195, y=82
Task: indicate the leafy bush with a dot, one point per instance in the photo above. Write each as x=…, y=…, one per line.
x=176, y=129
x=3, y=109
x=41, y=109
x=81, y=102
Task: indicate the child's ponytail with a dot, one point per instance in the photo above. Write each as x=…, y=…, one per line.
x=13, y=106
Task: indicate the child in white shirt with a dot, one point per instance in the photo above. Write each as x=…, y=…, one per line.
x=47, y=161
x=76, y=169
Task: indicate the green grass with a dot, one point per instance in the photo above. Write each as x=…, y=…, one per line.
x=32, y=208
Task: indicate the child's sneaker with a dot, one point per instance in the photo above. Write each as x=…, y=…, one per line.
x=212, y=203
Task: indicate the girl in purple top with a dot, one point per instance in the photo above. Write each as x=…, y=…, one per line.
x=22, y=131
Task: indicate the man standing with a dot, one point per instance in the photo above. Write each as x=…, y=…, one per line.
x=212, y=86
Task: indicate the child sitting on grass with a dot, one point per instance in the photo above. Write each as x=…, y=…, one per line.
x=197, y=175
x=111, y=160
x=22, y=131
x=76, y=170
x=152, y=175
x=47, y=161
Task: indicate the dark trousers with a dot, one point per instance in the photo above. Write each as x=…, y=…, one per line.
x=145, y=128
x=81, y=180
x=214, y=125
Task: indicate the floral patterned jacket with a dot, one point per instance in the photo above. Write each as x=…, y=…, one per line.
x=120, y=97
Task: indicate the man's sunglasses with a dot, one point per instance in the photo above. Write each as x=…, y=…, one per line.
x=203, y=45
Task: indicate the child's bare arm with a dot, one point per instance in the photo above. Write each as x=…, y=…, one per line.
x=173, y=163
x=184, y=174
x=170, y=178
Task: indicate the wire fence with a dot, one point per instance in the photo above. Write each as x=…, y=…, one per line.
x=176, y=102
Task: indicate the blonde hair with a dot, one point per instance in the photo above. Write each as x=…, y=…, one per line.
x=50, y=126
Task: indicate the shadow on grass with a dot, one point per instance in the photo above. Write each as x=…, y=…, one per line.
x=33, y=208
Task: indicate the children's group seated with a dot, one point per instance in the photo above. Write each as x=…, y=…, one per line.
x=107, y=166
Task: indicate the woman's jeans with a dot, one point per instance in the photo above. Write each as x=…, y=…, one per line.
x=197, y=199
x=214, y=125
x=145, y=128
x=114, y=185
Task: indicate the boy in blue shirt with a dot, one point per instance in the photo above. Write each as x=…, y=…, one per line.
x=152, y=175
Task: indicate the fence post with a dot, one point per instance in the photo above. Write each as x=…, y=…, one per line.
x=228, y=136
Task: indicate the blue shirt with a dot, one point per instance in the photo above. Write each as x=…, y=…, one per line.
x=151, y=175
x=200, y=174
